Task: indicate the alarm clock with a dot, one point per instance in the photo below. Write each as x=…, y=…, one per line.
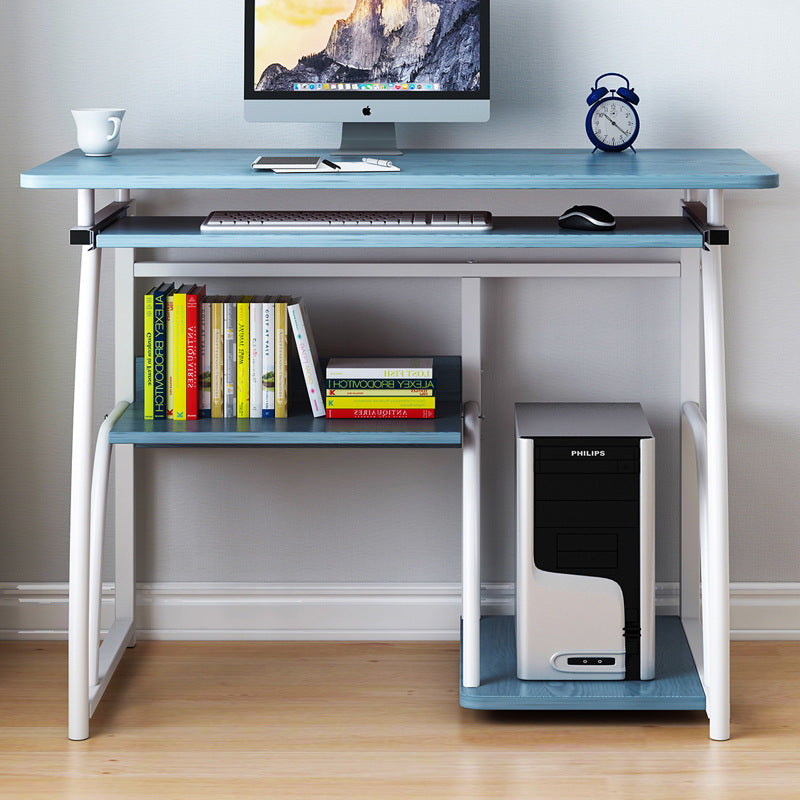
x=612, y=123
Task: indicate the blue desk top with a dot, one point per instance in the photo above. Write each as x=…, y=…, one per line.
x=420, y=169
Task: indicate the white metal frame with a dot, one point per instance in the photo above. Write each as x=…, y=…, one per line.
x=704, y=523
x=704, y=513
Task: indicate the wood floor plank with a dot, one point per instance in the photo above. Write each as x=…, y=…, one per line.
x=373, y=720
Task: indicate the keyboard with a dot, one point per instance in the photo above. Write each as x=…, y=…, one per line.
x=345, y=221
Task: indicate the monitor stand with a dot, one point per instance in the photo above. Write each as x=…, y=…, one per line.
x=368, y=139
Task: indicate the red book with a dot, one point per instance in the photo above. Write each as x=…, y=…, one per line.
x=193, y=300
x=379, y=413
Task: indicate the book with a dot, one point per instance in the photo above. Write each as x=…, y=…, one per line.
x=160, y=350
x=204, y=378
x=256, y=355
x=380, y=402
x=148, y=354
x=243, y=356
x=379, y=384
x=307, y=353
x=170, y=305
x=217, y=355
x=268, y=358
x=193, y=300
x=379, y=393
x=281, y=359
x=379, y=413
x=379, y=368
x=229, y=357
x=179, y=352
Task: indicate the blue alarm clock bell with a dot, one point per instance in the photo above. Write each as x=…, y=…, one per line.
x=612, y=123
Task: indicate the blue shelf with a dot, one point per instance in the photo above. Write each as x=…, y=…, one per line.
x=508, y=232
x=676, y=685
x=420, y=169
x=301, y=429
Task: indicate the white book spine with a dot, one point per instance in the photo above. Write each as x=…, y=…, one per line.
x=390, y=368
x=377, y=372
x=256, y=357
x=307, y=352
x=268, y=360
x=229, y=363
x=204, y=379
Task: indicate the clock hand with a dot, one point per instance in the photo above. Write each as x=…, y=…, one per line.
x=612, y=122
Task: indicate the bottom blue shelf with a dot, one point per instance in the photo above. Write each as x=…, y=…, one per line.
x=676, y=685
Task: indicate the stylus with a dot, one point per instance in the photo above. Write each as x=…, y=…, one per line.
x=330, y=164
x=378, y=162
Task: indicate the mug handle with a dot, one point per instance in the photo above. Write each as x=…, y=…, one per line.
x=117, y=122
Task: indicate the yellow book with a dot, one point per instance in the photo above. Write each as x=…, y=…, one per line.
x=380, y=402
x=281, y=359
x=149, y=375
x=179, y=352
x=170, y=360
x=217, y=356
x=243, y=357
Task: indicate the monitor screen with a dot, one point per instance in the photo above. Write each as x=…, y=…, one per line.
x=351, y=49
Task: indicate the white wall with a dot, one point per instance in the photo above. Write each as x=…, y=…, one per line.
x=713, y=74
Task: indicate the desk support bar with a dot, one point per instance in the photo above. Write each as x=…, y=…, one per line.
x=697, y=425
x=86, y=339
x=471, y=547
x=87, y=234
x=97, y=518
x=471, y=364
x=717, y=583
x=696, y=213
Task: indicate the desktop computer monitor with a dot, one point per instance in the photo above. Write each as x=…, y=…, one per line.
x=366, y=64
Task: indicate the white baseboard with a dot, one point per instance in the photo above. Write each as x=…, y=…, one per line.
x=765, y=611
x=385, y=611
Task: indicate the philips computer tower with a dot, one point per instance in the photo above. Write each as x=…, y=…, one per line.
x=585, y=542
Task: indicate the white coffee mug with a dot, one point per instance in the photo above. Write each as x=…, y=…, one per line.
x=98, y=129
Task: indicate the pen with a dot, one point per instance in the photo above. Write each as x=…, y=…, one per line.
x=378, y=162
x=330, y=164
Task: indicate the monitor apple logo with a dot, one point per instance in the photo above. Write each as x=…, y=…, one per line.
x=366, y=111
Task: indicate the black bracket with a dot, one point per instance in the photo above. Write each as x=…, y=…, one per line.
x=87, y=234
x=697, y=214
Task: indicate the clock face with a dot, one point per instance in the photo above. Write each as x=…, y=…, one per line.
x=614, y=123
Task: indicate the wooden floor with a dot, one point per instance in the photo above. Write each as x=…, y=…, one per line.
x=377, y=720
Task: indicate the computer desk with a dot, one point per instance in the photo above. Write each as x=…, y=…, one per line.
x=698, y=674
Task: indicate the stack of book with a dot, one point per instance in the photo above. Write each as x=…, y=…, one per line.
x=221, y=356
x=380, y=388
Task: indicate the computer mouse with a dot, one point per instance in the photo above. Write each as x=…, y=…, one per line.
x=587, y=218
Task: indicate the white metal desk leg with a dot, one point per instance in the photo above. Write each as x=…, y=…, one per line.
x=100, y=468
x=697, y=424
x=85, y=344
x=124, y=461
x=716, y=582
x=471, y=360
x=471, y=548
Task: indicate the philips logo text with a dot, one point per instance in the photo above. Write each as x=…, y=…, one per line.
x=588, y=453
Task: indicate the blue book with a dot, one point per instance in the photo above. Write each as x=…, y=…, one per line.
x=160, y=350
